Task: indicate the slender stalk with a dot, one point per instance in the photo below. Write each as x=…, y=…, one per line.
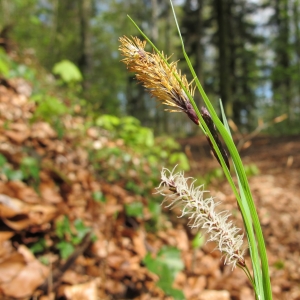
x=242, y=175
x=204, y=127
x=244, y=198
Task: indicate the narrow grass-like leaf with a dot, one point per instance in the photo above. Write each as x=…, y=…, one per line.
x=242, y=175
x=237, y=162
x=257, y=284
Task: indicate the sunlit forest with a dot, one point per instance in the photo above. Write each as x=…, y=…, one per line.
x=88, y=206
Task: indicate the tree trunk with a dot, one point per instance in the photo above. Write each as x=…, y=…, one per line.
x=223, y=16
x=84, y=61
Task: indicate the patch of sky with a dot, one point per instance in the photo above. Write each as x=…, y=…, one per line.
x=44, y=11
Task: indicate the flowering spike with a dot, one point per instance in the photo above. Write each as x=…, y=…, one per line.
x=157, y=76
x=202, y=214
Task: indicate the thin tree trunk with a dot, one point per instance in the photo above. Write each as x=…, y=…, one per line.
x=84, y=61
x=199, y=35
x=154, y=36
x=296, y=9
x=168, y=48
x=222, y=9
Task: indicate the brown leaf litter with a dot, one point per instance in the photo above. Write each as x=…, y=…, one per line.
x=112, y=266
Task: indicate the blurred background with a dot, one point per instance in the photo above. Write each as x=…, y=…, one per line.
x=82, y=146
x=245, y=52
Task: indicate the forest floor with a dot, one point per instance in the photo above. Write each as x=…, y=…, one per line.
x=65, y=232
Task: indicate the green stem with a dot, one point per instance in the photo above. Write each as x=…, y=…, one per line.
x=240, y=169
x=238, y=163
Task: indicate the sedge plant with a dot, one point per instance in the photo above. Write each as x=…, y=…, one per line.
x=162, y=79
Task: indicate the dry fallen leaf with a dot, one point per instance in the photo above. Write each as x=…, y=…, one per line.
x=84, y=291
x=72, y=277
x=139, y=244
x=18, y=132
x=4, y=236
x=19, y=215
x=10, y=207
x=21, y=274
x=42, y=130
x=49, y=192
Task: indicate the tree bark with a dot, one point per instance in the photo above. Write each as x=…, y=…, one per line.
x=223, y=16
x=84, y=61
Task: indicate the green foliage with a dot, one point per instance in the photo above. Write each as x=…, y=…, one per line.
x=4, y=63
x=134, y=134
x=108, y=122
x=49, y=108
x=181, y=159
x=39, y=246
x=3, y=160
x=69, y=236
x=198, y=241
x=23, y=71
x=65, y=249
x=140, y=151
x=30, y=168
x=212, y=176
x=11, y=69
x=128, y=129
x=44, y=260
x=99, y=197
x=265, y=67
x=140, y=138
x=154, y=208
x=81, y=231
x=279, y=264
x=133, y=187
x=166, y=265
x=68, y=71
x=63, y=227
x=251, y=170
x=134, y=209
x=216, y=175
x=155, y=222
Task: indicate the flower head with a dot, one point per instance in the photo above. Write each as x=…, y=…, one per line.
x=158, y=76
x=202, y=214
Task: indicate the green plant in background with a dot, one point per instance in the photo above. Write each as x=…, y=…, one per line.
x=67, y=71
x=164, y=82
x=217, y=174
x=11, y=69
x=134, y=209
x=8, y=171
x=99, y=197
x=4, y=63
x=29, y=170
x=69, y=236
x=166, y=265
x=135, y=151
x=50, y=109
x=198, y=241
x=39, y=246
x=155, y=209
x=69, y=76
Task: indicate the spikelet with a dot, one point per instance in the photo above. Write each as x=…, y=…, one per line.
x=201, y=213
x=157, y=76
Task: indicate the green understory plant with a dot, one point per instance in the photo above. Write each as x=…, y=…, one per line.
x=162, y=79
x=69, y=238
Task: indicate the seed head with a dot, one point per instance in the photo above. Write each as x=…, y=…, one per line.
x=202, y=214
x=157, y=76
